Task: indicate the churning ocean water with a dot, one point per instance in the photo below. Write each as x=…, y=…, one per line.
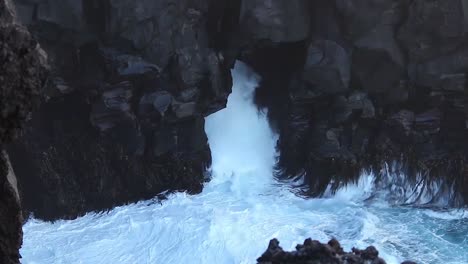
x=243, y=207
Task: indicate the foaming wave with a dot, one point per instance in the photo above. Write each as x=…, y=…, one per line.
x=420, y=190
x=451, y=214
x=393, y=186
x=240, y=138
x=363, y=189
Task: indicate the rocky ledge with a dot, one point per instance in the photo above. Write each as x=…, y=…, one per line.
x=312, y=251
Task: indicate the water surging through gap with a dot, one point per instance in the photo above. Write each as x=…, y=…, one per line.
x=243, y=207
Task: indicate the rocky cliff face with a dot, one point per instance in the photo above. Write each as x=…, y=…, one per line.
x=22, y=75
x=353, y=84
x=123, y=117
x=348, y=84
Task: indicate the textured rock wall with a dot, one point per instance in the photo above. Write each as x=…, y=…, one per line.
x=22, y=74
x=348, y=84
x=123, y=117
x=371, y=82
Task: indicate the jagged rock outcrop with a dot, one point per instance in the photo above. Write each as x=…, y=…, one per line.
x=312, y=251
x=22, y=75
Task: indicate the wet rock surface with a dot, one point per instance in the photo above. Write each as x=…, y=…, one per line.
x=312, y=251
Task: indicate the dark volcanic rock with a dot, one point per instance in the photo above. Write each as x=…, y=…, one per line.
x=11, y=233
x=433, y=28
x=327, y=69
x=124, y=114
x=113, y=108
x=22, y=76
x=361, y=16
x=378, y=81
x=312, y=251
